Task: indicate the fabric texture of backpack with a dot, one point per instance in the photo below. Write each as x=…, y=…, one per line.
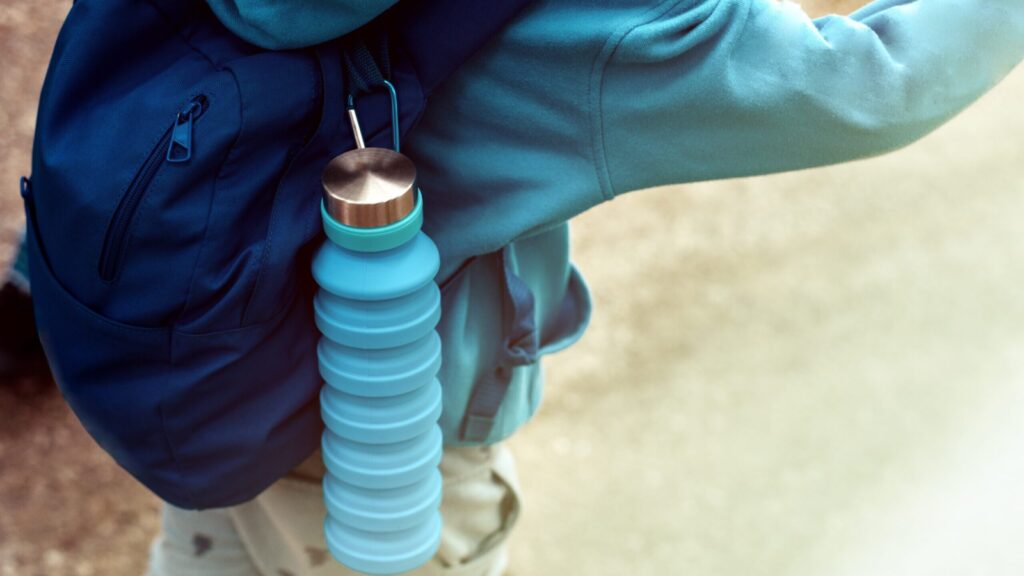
x=173, y=212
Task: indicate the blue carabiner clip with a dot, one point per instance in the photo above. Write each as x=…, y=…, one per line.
x=354, y=119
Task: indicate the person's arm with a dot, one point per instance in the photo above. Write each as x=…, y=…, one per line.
x=281, y=24
x=709, y=90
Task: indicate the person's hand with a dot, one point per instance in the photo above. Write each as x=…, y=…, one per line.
x=815, y=8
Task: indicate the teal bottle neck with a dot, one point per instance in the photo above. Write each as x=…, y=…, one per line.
x=376, y=239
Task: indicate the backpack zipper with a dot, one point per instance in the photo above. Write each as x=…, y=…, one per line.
x=174, y=147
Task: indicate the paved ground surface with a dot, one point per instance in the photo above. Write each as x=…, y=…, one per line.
x=813, y=373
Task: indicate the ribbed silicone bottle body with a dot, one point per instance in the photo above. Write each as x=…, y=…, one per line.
x=379, y=357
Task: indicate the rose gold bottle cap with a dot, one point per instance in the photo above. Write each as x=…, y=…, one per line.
x=369, y=187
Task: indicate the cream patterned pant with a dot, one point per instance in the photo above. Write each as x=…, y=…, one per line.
x=280, y=533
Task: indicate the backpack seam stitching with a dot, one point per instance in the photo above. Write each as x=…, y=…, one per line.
x=173, y=325
x=213, y=196
x=268, y=242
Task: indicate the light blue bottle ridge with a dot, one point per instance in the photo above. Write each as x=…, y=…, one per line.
x=379, y=356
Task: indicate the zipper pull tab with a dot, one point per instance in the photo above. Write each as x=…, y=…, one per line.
x=180, y=149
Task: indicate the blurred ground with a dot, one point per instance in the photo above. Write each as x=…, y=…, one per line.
x=814, y=373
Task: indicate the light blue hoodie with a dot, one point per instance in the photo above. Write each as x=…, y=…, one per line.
x=578, y=101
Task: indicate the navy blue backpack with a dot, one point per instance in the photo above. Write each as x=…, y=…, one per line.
x=173, y=212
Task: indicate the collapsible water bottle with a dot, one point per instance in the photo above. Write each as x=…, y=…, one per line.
x=379, y=355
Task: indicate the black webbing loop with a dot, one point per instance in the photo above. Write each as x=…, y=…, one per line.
x=367, y=60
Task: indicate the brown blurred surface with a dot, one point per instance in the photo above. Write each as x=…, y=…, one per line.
x=815, y=373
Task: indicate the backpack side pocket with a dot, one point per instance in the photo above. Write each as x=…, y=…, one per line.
x=498, y=317
x=111, y=374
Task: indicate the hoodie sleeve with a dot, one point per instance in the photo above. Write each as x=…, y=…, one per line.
x=283, y=24
x=710, y=90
